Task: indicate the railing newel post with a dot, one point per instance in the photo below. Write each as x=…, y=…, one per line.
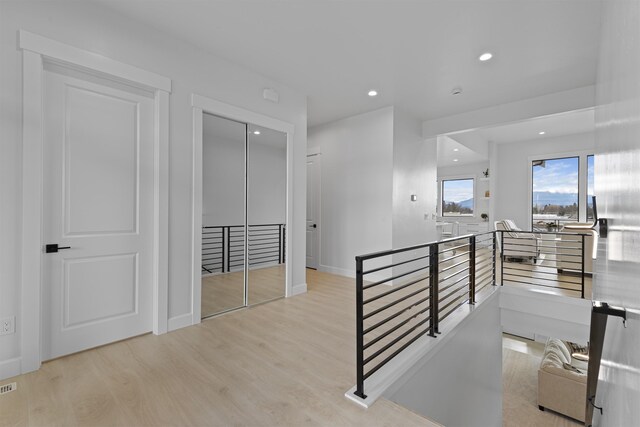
x=472, y=269
x=582, y=269
x=434, y=266
x=495, y=243
x=359, y=331
x=501, y=257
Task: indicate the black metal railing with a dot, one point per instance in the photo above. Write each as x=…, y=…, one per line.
x=223, y=246
x=544, y=259
x=428, y=281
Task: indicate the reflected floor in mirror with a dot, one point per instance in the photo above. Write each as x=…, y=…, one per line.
x=221, y=292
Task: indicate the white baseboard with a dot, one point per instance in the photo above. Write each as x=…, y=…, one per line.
x=10, y=368
x=336, y=270
x=352, y=273
x=299, y=289
x=178, y=322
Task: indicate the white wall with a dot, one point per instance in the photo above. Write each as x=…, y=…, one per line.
x=617, y=174
x=356, y=188
x=472, y=170
x=461, y=385
x=414, y=172
x=510, y=198
x=88, y=26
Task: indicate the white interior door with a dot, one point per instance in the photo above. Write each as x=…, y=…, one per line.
x=98, y=201
x=313, y=209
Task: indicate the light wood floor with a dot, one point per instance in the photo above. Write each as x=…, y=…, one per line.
x=221, y=292
x=520, y=361
x=286, y=363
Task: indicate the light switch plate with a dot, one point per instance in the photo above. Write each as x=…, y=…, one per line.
x=8, y=325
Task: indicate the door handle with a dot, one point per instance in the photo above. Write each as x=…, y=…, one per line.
x=315, y=225
x=53, y=248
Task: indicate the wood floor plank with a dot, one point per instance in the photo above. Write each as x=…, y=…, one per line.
x=285, y=363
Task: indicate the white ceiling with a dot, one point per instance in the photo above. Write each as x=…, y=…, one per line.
x=475, y=141
x=553, y=126
x=412, y=52
x=453, y=153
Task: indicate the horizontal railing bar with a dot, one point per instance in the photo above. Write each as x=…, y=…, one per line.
x=395, y=328
x=371, y=285
x=541, y=278
x=255, y=258
x=483, y=268
x=465, y=287
x=391, y=304
x=274, y=260
x=464, y=261
x=545, y=286
x=453, y=275
x=364, y=273
x=454, y=283
x=393, y=316
x=550, y=233
x=395, y=353
x=452, y=248
x=533, y=272
x=395, y=341
x=483, y=286
x=481, y=278
x=409, y=248
x=399, y=288
x=461, y=301
x=442, y=261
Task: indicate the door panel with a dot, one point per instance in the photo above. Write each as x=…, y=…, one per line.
x=223, y=215
x=266, y=213
x=313, y=216
x=101, y=137
x=98, y=200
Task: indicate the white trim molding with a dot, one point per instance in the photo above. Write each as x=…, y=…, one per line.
x=201, y=105
x=10, y=368
x=178, y=322
x=38, y=50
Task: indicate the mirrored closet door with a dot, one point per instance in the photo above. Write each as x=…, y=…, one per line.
x=243, y=215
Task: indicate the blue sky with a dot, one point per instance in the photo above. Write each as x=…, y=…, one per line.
x=458, y=190
x=558, y=176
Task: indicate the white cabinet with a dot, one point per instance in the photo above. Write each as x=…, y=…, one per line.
x=473, y=228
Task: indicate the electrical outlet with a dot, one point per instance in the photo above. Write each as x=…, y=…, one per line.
x=8, y=325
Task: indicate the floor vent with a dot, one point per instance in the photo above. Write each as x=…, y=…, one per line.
x=8, y=388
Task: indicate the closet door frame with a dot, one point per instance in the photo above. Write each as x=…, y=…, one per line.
x=201, y=105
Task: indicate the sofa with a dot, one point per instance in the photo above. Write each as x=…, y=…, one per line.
x=569, y=256
x=517, y=244
x=562, y=381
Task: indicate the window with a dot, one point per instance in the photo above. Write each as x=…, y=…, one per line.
x=555, y=191
x=590, y=188
x=457, y=197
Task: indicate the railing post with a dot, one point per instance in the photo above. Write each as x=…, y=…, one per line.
x=280, y=244
x=228, y=231
x=359, y=331
x=433, y=290
x=501, y=258
x=224, y=248
x=495, y=243
x=582, y=269
x=472, y=270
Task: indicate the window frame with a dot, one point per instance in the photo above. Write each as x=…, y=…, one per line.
x=582, y=178
x=586, y=193
x=457, y=178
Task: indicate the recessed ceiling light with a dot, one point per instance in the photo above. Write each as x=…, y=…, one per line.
x=256, y=132
x=373, y=93
x=541, y=133
x=455, y=160
x=485, y=56
x=456, y=149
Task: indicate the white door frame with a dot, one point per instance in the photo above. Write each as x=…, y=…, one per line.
x=36, y=51
x=316, y=152
x=203, y=105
